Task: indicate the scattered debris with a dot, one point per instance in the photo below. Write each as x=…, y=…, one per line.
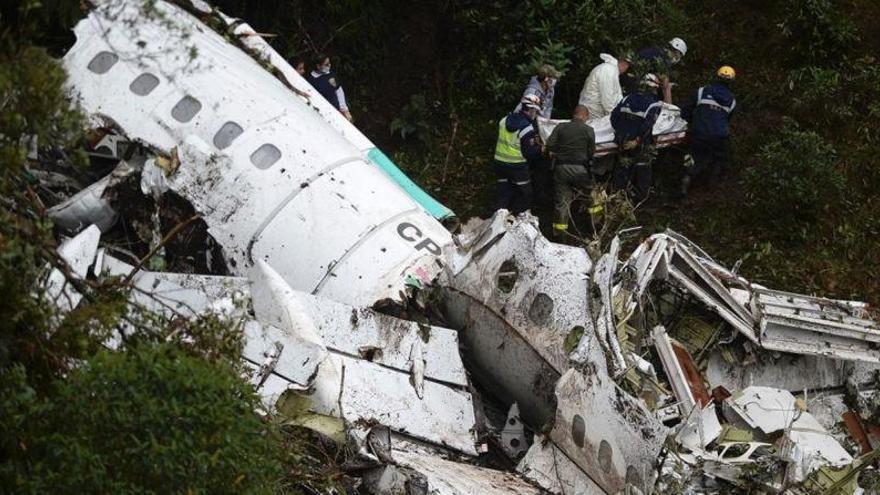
x=665, y=372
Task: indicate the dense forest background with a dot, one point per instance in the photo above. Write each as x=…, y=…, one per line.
x=427, y=81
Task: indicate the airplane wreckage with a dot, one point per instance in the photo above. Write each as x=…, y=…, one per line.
x=664, y=372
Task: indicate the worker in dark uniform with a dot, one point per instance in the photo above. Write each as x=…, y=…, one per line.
x=708, y=114
x=517, y=144
x=571, y=145
x=633, y=122
x=324, y=80
x=658, y=61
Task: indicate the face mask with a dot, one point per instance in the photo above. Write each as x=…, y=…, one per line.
x=325, y=69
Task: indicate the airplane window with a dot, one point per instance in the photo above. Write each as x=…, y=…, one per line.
x=186, y=109
x=102, y=62
x=144, y=84
x=227, y=134
x=265, y=156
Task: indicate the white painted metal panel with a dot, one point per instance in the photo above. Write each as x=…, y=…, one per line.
x=552, y=470
x=79, y=253
x=617, y=440
x=444, y=416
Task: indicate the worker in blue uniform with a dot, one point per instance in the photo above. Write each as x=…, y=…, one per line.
x=659, y=61
x=517, y=144
x=633, y=122
x=325, y=81
x=708, y=114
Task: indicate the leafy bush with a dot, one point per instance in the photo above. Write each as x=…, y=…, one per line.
x=150, y=420
x=819, y=32
x=796, y=178
x=415, y=119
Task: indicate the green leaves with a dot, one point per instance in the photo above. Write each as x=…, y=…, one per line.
x=796, y=179
x=153, y=419
x=820, y=33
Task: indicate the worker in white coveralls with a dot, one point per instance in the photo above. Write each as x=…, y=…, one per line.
x=602, y=92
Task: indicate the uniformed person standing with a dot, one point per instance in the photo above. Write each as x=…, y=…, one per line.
x=517, y=144
x=633, y=122
x=571, y=145
x=324, y=80
x=708, y=114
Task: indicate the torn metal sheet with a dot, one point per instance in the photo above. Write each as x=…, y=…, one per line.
x=79, y=253
x=362, y=332
x=551, y=469
x=513, y=438
x=674, y=371
x=606, y=330
x=777, y=321
x=811, y=325
x=370, y=392
x=269, y=174
x=86, y=207
x=177, y=294
x=692, y=374
x=791, y=372
x=649, y=262
x=287, y=352
x=700, y=428
x=806, y=444
x=515, y=296
x=611, y=436
x=420, y=470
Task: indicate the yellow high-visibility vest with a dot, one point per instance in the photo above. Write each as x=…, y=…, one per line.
x=508, y=149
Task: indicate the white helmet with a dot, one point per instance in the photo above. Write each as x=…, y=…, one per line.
x=531, y=101
x=680, y=45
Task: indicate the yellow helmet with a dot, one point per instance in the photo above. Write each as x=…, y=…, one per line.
x=726, y=72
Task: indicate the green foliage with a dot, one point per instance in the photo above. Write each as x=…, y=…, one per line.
x=819, y=31
x=503, y=44
x=795, y=179
x=842, y=97
x=415, y=119
x=150, y=420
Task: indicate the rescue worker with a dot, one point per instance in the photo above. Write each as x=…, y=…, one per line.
x=324, y=80
x=633, y=122
x=571, y=145
x=659, y=61
x=543, y=85
x=601, y=91
x=708, y=114
x=517, y=144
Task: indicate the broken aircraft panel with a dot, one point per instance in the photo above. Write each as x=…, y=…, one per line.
x=288, y=354
x=419, y=469
x=79, y=253
x=806, y=444
x=547, y=466
x=608, y=434
x=775, y=320
x=269, y=174
x=515, y=297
